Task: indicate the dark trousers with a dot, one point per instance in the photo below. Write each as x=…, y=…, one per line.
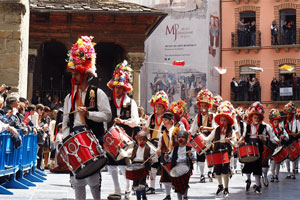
x=40, y=157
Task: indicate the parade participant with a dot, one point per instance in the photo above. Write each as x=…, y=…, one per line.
x=178, y=109
x=91, y=104
x=166, y=145
x=221, y=137
x=290, y=125
x=203, y=122
x=124, y=114
x=255, y=132
x=217, y=100
x=281, y=134
x=239, y=130
x=182, y=154
x=140, y=154
x=298, y=137
x=160, y=103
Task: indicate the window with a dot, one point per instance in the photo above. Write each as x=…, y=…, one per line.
x=248, y=16
x=247, y=29
x=288, y=26
x=247, y=73
x=288, y=75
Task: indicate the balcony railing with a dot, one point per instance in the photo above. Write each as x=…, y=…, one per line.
x=246, y=41
x=244, y=95
x=286, y=41
x=286, y=93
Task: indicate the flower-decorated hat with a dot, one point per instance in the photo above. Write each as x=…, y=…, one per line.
x=257, y=109
x=122, y=77
x=290, y=107
x=160, y=97
x=225, y=109
x=178, y=108
x=240, y=112
x=82, y=56
x=217, y=100
x=298, y=112
x=204, y=96
x=274, y=114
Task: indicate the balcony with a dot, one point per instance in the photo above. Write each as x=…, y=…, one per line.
x=242, y=96
x=286, y=42
x=246, y=1
x=244, y=42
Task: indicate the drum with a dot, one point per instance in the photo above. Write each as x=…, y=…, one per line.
x=167, y=166
x=135, y=171
x=117, y=142
x=293, y=150
x=220, y=157
x=82, y=153
x=280, y=154
x=179, y=170
x=248, y=152
x=197, y=142
x=267, y=153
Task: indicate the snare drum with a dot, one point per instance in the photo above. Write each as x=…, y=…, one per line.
x=267, y=153
x=180, y=175
x=135, y=171
x=197, y=142
x=280, y=154
x=293, y=150
x=116, y=138
x=82, y=153
x=220, y=157
x=248, y=152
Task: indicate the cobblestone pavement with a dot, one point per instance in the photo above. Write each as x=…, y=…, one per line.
x=57, y=187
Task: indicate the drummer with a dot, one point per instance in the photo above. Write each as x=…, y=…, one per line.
x=124, y=114
x=255, y=132
x=281, y=134
x=222, y=136
x=182, y=154
x=298, y=137
x=83, y=97
x=204, y=123
x=140, y=154
x=165, y=145
x=290, y=125
x=160, y=103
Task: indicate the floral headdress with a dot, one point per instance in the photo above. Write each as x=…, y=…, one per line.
x=160, y=97
x=225, y=109
x=217, y=100
x=256, y=108
x=298, y=112
x=82, y=57
x=290, y=107
x=274, y=114
x=240, y=112
x=178, y=108
x=122, y=77
x=204, y=96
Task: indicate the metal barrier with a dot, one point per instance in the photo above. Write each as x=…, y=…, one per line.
x=19, y=165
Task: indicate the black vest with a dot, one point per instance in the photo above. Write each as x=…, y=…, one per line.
x=209, y=123
x=259, y=132
x=96, y=127
x=124, y=114
x=175, y=156
x=222, y=145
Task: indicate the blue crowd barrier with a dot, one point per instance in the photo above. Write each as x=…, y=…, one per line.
x=19, y=165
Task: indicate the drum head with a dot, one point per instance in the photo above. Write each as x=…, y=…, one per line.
x=277, y=150
x=179, y=170
x=91, y=167
x=135, y=166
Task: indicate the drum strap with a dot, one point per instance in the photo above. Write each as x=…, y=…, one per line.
x=167, y=140
x=155, y=132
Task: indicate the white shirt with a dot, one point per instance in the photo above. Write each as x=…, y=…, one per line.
x=134, y=119
x=102, y=115
x=182, y=155
x=140, y=155
x=170, y=137
x=271, y=133
x=148, y=123
x=286, y=135
x=292, y=125
x=254, y=132
x=194, y=127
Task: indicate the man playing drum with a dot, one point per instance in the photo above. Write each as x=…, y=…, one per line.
x=160, y=103
x=204, y=123
x=221, y=137
x=125, y=115
x=88, y=107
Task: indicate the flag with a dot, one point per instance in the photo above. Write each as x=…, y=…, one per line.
x=221, y=70
x=287, y=68
x=257, y=69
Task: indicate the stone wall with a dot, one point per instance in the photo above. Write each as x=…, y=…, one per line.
x=14, y=39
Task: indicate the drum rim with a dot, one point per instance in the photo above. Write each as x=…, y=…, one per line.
x=183, y=164
x=66, y=139
x=87, y=162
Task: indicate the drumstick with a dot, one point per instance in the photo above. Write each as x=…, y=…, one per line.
x=187, y=152
x=151, y=129
x=75, y=111
x=148, y=159
x=115, y=121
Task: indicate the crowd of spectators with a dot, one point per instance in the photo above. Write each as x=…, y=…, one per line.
x=246, y=33
x=245, y=89
x=288, y=33
x=283, y=82
x=44, y=119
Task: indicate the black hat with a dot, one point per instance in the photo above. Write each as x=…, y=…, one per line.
x=168, y=115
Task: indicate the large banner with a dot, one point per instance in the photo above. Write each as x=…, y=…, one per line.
x=183, y=51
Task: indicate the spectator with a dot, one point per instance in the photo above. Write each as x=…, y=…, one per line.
x=253, y=33
x=296, y=86
x=241, y=32
x=292, y=32
x=247, y=35
x=4, y=89
x=47, y=100
x=56, y=104
x=36, y=99
x=256, y=90
x=275, y=88
x=285, y=32
x=274, y=32
x=234, y=89
x=251, y=90
x=243, y=84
